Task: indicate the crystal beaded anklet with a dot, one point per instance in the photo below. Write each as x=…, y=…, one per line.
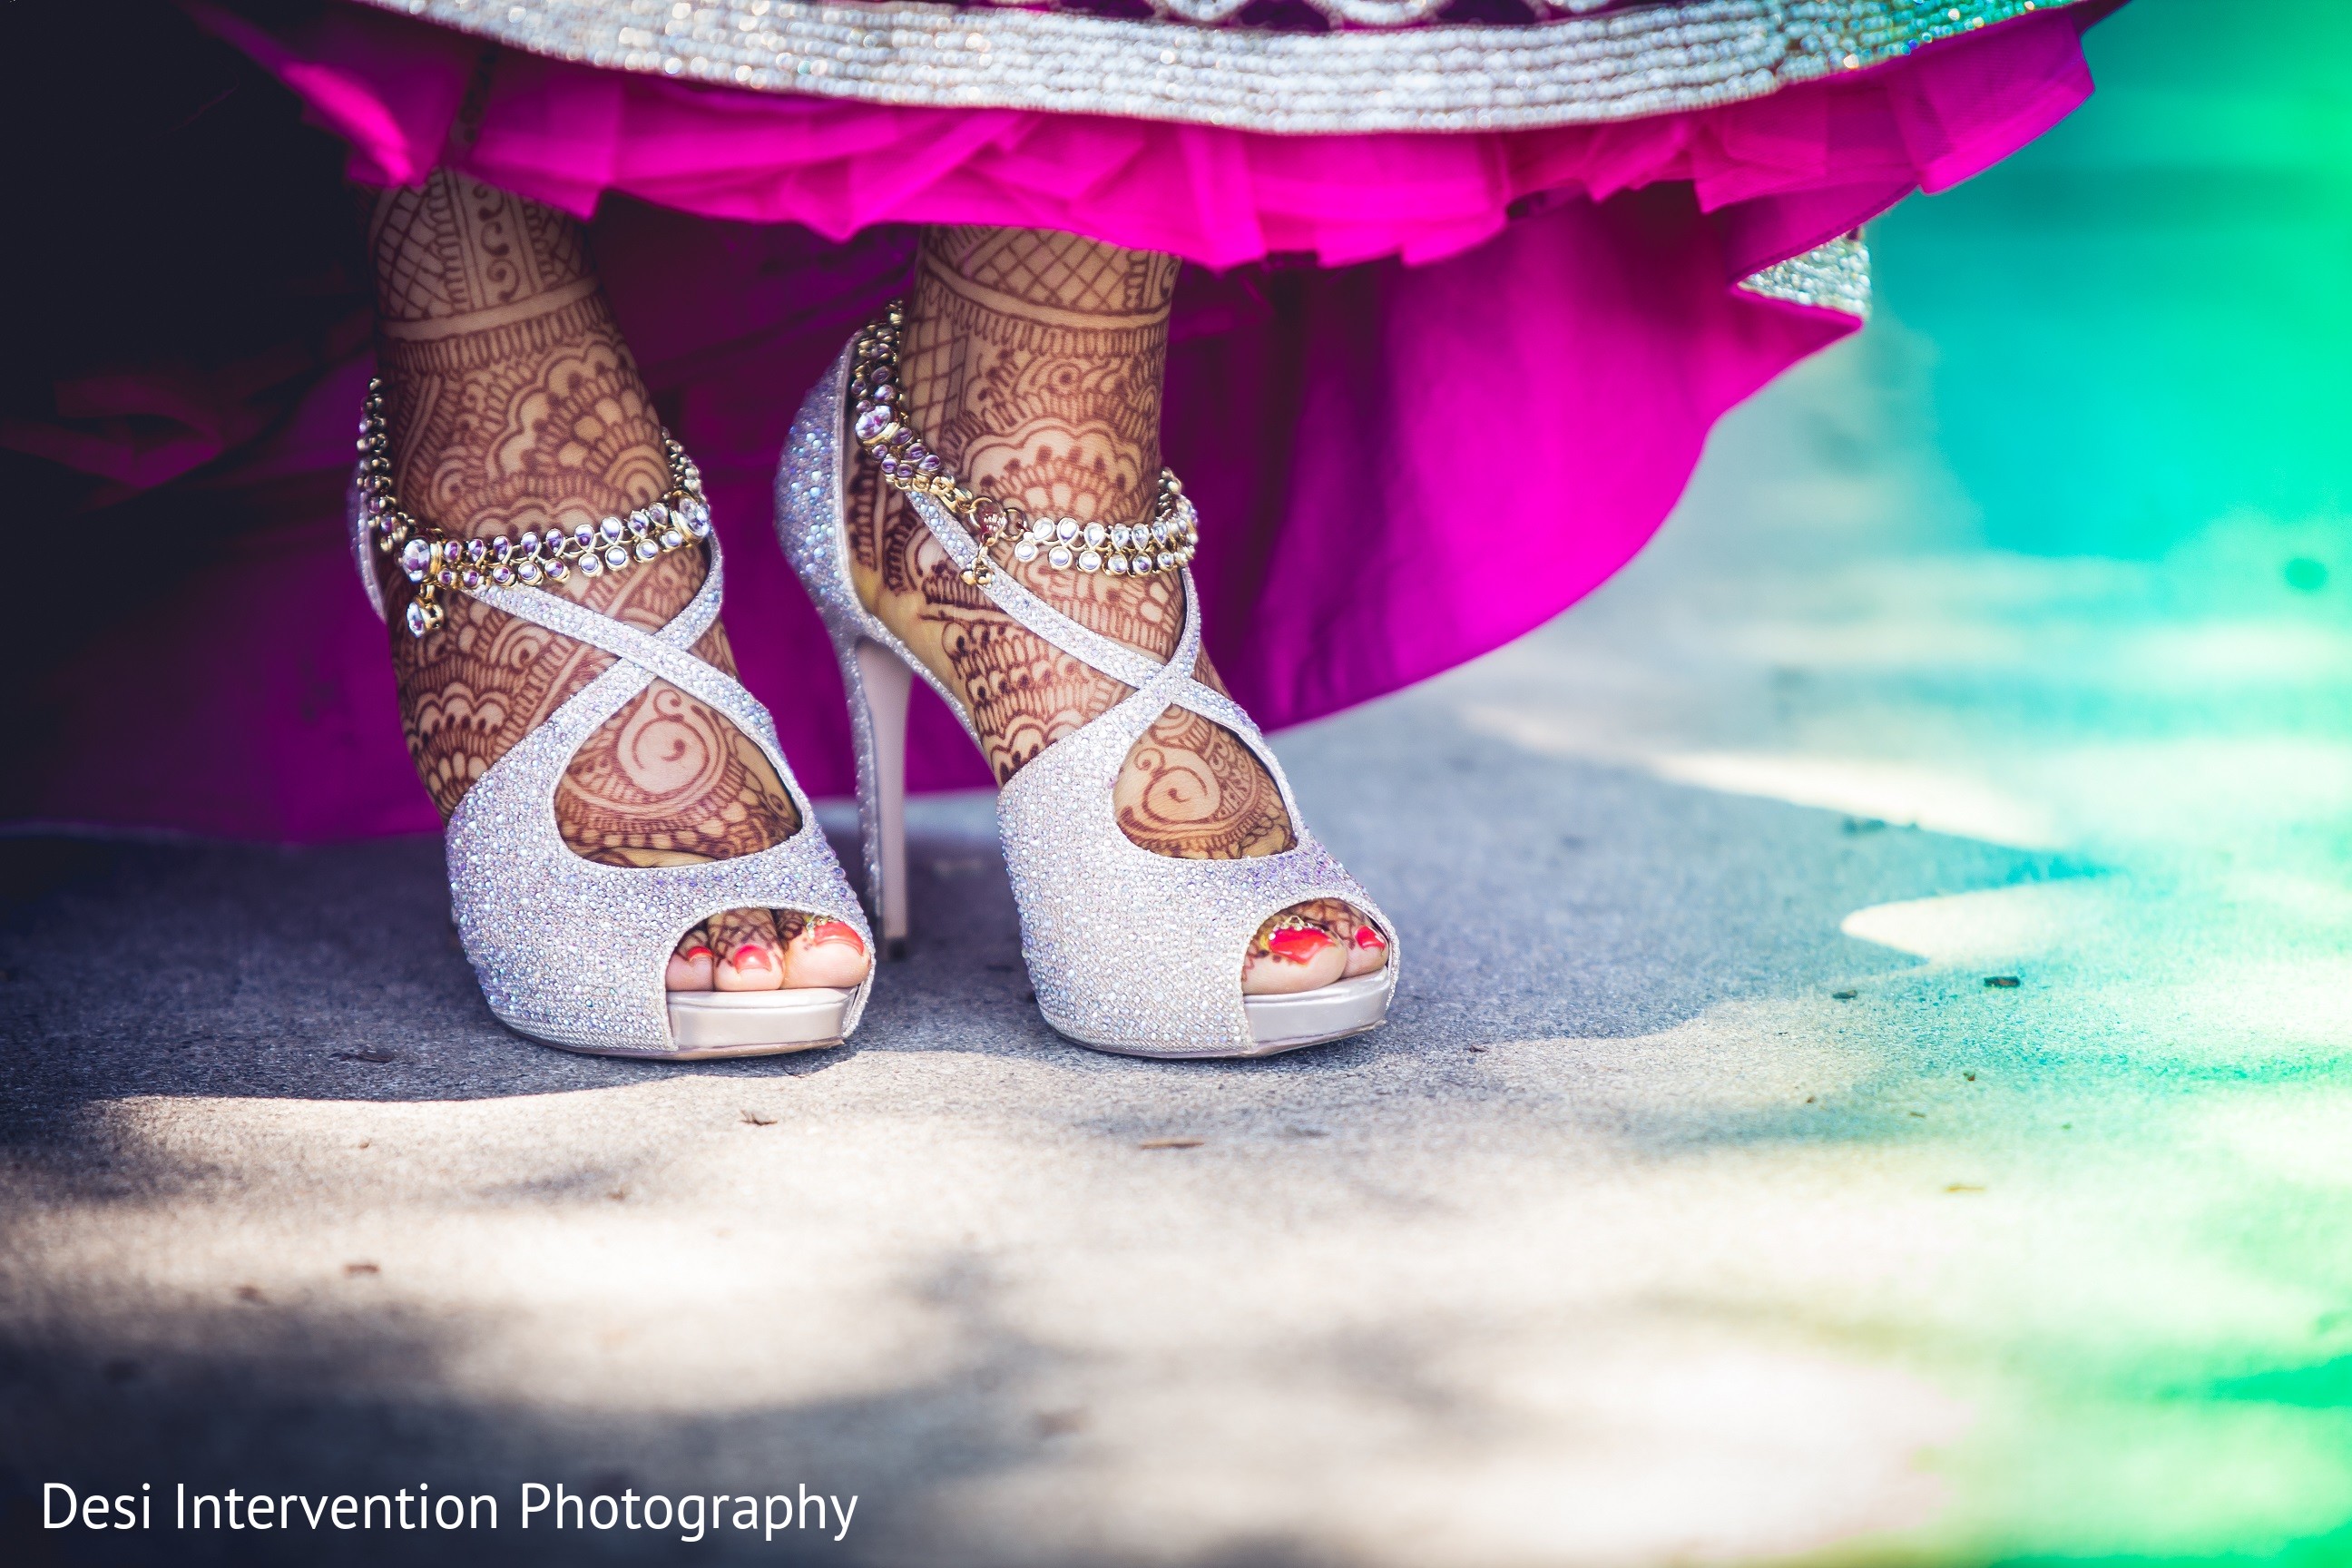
x=434, y=561
x=883, y=427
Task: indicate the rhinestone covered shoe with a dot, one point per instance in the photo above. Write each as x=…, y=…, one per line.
x=1127, y=951
x=570, y=951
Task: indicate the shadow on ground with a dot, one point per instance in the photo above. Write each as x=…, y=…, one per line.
x=1536, y=898
x=1541, y=900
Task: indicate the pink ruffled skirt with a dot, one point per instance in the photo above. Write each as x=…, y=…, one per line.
x=1428, y=387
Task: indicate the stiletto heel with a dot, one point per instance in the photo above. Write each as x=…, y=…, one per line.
x=1127, y=951
x=568, y=951
x=881, y=686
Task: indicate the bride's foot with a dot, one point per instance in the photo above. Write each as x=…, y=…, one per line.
x=1312, y=944
x=514, y=404
x=1032, y=367
x=789, y=951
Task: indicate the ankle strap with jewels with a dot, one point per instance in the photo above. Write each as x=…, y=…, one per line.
x=434, y=561
x=1165, y=542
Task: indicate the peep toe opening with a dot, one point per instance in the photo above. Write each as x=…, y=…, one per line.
x=571, y=952
x=1127, y=951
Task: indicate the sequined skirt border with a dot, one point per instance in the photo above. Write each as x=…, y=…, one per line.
x=1662, y=58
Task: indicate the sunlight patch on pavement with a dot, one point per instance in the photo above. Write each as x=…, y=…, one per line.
x=2308, y=1142
x=1778, y=1278
x=1613, y=1445
x=1990, y=926
x=2282, y=798
x=1563, y=1323
x=1912, y=794
x=519, y=1239
x=1909, y=794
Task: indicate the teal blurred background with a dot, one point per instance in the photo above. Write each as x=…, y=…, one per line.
x=2057, y=555
x=2128, y=355
x=2142, y=324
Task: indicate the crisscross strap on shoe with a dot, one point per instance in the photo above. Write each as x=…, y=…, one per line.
x=1129, y=950
x=573, y=950
x=1114, y=659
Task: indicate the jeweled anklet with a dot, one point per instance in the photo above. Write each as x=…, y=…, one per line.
x=1165, y=542
x=434, y=560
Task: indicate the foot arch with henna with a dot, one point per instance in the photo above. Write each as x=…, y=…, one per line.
x=1033, y=362
x=513, y=404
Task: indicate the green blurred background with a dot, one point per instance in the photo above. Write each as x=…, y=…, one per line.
x=2127, y=349
x=2058, y=554
x=2142, y=324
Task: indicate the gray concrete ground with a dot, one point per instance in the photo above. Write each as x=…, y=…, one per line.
x=1625, y=1243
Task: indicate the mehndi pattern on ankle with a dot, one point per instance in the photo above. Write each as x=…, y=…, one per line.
x=434, y=560
x=883, y=428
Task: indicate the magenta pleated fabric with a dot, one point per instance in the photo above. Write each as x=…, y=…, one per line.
x=1428, y=390
x=567, y=134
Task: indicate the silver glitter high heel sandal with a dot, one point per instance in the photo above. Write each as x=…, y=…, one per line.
x=1127, y=951
x=568, y=951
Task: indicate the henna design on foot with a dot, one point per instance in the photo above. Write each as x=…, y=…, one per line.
x=1192, y=789
x=1312, y=944
x=513, y=402
x=750, y=956
x=1033, y=362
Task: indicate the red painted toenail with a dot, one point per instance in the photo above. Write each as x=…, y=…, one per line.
x=751, y=955
x=1297, y=944
x=691, y=953
x=1367, y=937
x=834, y=931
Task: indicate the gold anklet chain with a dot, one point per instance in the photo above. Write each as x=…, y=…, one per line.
x=434, y=560
x=1165, y=542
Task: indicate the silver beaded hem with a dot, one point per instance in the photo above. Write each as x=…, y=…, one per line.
x=1391, y=69
x=1832, y=276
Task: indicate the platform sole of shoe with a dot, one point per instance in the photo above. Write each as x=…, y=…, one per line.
x=1291, y=1022
x=710, y=1026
